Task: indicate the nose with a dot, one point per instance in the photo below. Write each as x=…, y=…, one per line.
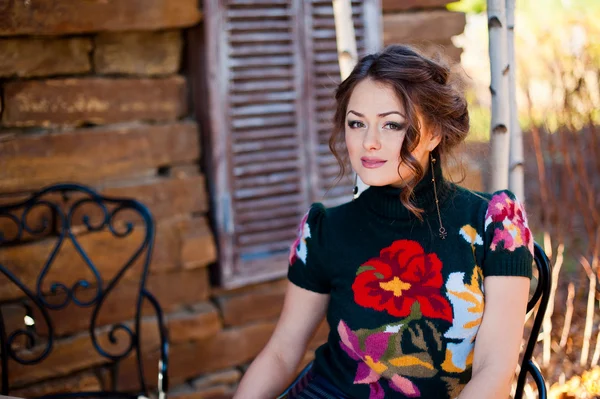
x=371, y=141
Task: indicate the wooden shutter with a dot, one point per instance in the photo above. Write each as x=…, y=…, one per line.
x=323, y=76
x=259, y=171
x=265, y=139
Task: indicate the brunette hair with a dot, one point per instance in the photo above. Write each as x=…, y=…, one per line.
x=425, y=88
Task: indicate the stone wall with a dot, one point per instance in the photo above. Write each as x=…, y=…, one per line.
x=94, y=92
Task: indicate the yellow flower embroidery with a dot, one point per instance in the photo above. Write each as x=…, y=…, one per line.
x=468, y=304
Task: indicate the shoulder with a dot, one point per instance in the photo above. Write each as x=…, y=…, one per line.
x=499, y=204
x=314, y=223
x=328, y=217
x=469, y=200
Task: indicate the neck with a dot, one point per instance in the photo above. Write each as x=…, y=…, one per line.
x=385, y=200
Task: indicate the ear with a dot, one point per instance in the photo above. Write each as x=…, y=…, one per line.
x=430, y=135
x=435, y=138
x=434, y=141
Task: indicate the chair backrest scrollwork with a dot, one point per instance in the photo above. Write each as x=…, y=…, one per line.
x=59, y=218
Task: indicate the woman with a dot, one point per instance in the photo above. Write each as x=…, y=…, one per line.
x=400, y=271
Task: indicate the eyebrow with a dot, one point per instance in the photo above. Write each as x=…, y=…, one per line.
x=379, y=115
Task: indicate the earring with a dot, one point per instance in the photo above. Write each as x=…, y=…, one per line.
x=443, y=232
x=355, y=190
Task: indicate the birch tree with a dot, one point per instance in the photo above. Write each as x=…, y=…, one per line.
x=499, y=88
x=516, y=174
x=345, y=36
x=346, y=49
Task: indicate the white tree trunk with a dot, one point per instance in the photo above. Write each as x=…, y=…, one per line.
x=347, y=50
x=499, y=89
x=345, y=36
x=516, y=179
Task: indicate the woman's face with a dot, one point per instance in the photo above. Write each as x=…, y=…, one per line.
x=374, y=133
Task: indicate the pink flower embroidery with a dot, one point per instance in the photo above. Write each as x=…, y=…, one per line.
x=515, y=231
x=298, y=248
x=370, y=364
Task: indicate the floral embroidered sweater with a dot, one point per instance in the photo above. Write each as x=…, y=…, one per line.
x=405, y=305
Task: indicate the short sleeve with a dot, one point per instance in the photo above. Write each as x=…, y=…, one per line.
x=508, y=240
x=307, y=266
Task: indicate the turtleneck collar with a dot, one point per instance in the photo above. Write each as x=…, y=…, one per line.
x=385, y=200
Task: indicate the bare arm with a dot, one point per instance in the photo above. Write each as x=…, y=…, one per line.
x=275, y=366
x=498, y=340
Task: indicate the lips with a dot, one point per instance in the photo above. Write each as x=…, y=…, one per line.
x=372, y=163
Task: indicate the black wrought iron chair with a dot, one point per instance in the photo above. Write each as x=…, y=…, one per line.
x=541, y=296
x=61, y=213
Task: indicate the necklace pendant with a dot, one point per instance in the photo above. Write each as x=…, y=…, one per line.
x=443, y=233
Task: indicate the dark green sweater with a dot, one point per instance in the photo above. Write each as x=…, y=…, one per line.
x=405, y=304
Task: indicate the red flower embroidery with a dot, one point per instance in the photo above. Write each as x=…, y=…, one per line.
x=402, y=274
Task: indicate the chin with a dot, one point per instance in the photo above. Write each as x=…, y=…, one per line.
x=375, y=181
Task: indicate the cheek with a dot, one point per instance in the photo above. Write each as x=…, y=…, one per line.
x=393, y=144
x=352, y=142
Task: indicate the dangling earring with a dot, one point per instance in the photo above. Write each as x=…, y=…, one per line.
x=355, y=190
x=443, y=232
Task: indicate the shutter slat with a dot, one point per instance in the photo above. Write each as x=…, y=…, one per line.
x=326, y=116
x=265, y=249
x=262, y=133
x=256, y=2
x=326, y=57
x=269, y=224
x=328, y=103
x=325, y=126
x=340, y=190
x=330, y=45
x=327, y=10
x=327, y=82
x=280, y=211
x=329, y=23
x=259, y=61
x=246, y=26
x=259, y=238
x=323, y=147
x=329, y=171
x=253, y=158
x=259, y=192
x=267, y=12
x=325, y=92
x=280, y=200
x=268, y=37
x=261, y=49
x=263, y=180
x=262, y=97
x=263, y=109
x=264, y=145
x=330, y=33
x=262, y=73
x=327, y=160
x=326, y=69
x=265, y=168
x=263, y=121
x=243, y=87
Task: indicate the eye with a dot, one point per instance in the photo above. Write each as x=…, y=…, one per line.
x=393, y=126
x=355, y=124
